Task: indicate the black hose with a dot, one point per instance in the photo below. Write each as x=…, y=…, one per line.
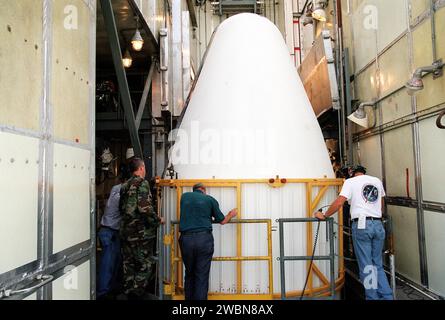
x=312, y=260
x=439, y=120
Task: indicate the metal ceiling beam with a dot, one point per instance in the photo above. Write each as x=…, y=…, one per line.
x=192, y=13
x=113, y=37
x=147, y=88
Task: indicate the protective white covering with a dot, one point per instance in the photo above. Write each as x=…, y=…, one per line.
x=249, y=118
x=249, y=115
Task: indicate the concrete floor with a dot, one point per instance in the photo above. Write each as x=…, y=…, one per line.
x=354, y=290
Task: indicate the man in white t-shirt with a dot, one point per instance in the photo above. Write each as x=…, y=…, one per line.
x=365, y=195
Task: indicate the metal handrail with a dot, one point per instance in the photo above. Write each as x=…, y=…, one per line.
x=269, y=257
x=282, y=258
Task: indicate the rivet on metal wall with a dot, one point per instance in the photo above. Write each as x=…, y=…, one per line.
x=26, y=161
x=66, y=166
x=36, y=47
x=26, y=40
x=8, y=27
x=12, y=160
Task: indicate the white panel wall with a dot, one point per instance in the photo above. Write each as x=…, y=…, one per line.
x=364, y=34
x=71, y=196
x=435, y=238
x=74, y=284
x=368, y=155
x=433, y=160
x=398, y=158
x=406, y=241
x=31, y=297
x=18, y=198
x=376, y=24
x=392, y=20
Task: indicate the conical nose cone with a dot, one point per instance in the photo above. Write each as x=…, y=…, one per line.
x=249, y=115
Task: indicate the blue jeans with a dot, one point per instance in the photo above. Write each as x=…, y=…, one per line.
x=368, y=246
x=197, y=252
x=110, y=260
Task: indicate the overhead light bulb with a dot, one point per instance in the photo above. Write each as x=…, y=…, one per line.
x=415, y=84
x=137, y=42
x=319, y=14
x=127, y=60
x=308, y=20
x=360, y=116
x=360, y=119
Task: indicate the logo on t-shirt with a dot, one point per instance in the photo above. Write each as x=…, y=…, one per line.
x=370, y=193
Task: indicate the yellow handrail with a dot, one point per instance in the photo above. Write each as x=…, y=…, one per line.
x=277, y=182
x=176, y=259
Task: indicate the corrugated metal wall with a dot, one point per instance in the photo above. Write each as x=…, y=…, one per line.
x=260, y=201
x=388, y=40
x=47, y=146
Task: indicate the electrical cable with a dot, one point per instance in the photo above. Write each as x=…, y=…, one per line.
x=312, y=260
x=313, y=254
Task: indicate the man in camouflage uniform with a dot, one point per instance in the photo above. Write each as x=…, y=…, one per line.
x=138, y=231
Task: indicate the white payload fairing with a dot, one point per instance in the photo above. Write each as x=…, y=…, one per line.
x=248, y=117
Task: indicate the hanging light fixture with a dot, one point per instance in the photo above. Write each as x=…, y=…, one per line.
x=137, y=42
x=127, y=60
x=308, y=19
x=415, y=84
x=319, y=12
x=360, y=116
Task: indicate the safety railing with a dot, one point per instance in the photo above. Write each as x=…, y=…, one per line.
x=176, y=261
x=331, y=257
x=315, y=190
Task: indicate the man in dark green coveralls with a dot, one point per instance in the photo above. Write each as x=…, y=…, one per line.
x=198, y=212
x=138, y=231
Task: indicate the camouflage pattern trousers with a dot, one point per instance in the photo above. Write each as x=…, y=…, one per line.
x=138, y=266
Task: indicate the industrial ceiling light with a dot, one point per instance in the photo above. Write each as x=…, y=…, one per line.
x=137, y=42
x=360, y=116
x=308, y=19
x=319, y=12
x=127, y=60
x=415, y=84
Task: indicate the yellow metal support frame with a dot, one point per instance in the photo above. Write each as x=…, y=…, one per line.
x=176, y=264
x=311, y=206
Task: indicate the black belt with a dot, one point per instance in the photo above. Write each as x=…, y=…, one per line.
x=195, y=232
x=368, y=218
x=106, y=227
